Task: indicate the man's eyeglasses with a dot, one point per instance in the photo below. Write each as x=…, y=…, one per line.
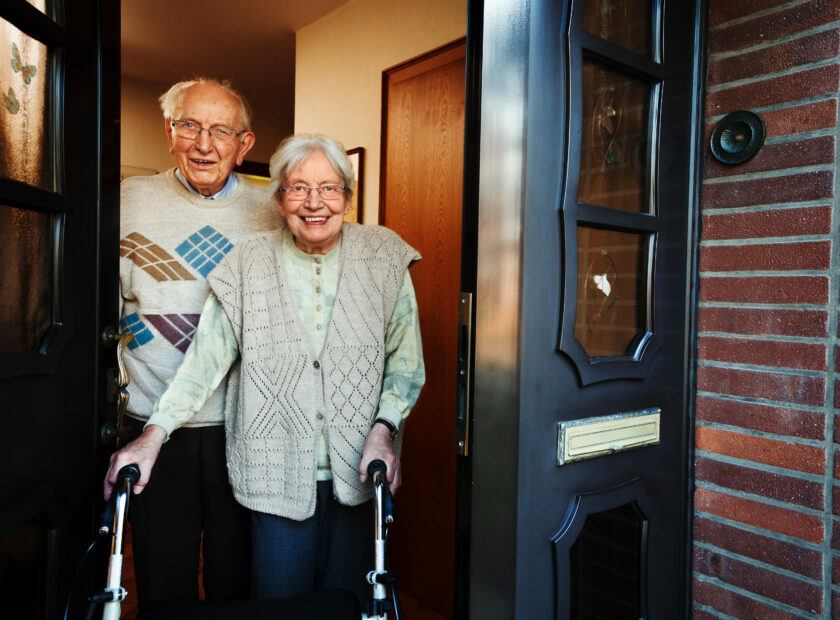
x=326, y=192
x=192, y=130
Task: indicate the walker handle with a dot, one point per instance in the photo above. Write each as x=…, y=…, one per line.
x=377, y=470
x=131, y=473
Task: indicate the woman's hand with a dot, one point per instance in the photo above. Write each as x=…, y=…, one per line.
x=143, y=452
x=378, y=446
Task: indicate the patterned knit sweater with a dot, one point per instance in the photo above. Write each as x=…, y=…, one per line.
x=170, y=241
x=282, y=394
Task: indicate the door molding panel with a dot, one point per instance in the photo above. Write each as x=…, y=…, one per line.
x=583, y=505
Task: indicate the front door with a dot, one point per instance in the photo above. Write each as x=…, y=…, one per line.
x=58, y=224
x=586, y=201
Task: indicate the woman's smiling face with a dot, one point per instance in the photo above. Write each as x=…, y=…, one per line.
x=315, y=222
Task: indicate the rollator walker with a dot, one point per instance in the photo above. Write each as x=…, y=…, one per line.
x=326, y=604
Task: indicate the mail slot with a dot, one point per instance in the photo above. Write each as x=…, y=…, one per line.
x=592, y=437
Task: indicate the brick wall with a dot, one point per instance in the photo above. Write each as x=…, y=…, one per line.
x=767, y=500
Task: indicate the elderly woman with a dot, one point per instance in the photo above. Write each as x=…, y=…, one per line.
x=317, y=323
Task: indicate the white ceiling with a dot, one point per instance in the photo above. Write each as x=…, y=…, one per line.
x=250, y=42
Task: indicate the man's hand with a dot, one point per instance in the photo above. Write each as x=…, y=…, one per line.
x=143, y=451
x=378, y=446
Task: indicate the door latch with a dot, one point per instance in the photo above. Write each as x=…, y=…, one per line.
x=462, y=421
x=112, y=429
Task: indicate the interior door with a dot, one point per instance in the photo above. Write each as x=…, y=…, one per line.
x=58, y=234
x=423, y=154
x=583, y=313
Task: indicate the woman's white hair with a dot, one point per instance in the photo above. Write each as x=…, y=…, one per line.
x=294, y=149
x=172, y=99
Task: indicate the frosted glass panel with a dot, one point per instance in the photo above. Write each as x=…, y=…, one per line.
x=26, y=132
x=26, y=278
x=611, y=313
x=624, y=22
x=614, y=154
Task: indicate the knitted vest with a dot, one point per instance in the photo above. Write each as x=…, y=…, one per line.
x=281, y=393
x=170, y=240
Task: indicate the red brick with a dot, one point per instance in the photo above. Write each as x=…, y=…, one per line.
x=775, y=223
x=835, y=604
x=813, y=255
x=776, y=322
x=835, y=494
x=765, y=289
x=772, y=25
x=786, y=388
x=809, y=459
x=780, y=156
x=835, y=534
x=770, y=584
x=767, y=418
x=809, y=186
x=700, y=614
x=773, y=91
x=837, y=394
x=788, y=556
x=734, y=604
x=765, y=516
x=774, y=59
x=757, y=482
x=801, y=118
x=778, y=354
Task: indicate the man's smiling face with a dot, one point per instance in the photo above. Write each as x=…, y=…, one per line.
x=204, y=161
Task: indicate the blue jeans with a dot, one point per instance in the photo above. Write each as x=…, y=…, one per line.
x=331, y=549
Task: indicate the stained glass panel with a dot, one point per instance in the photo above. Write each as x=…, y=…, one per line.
x=27, y=153
x=614, y=154
x=26, y=278
x=627, y=23
x=611, y=314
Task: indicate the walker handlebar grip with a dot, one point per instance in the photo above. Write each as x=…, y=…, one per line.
x=130, y=473
x=377, y=466
x=377, y=470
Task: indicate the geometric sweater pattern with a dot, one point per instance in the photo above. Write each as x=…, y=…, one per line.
x=170, y=240
x=282, y=395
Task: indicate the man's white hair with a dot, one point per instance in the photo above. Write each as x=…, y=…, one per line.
x=172, y=99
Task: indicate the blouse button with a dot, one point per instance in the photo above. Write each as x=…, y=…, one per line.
x=317, y=364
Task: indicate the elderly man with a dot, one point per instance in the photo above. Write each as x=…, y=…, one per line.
x=175, y=228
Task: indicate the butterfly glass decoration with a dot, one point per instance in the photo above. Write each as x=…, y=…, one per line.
x=11, y=102
x=26, y=71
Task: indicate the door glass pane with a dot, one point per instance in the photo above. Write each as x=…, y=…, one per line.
x=26, y=256
x=614, y=154
x=627, y=23
x=26, y=130
x=612, y=294
x=605, y=566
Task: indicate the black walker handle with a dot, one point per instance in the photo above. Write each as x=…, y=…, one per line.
x=130, y=474
x=377, y=471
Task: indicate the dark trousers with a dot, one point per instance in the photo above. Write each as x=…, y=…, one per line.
x=188, y=502
x=331, y=549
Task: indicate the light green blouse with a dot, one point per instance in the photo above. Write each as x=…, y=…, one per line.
x=313, y=279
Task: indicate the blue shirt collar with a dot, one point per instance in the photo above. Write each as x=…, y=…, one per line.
x=230, y=186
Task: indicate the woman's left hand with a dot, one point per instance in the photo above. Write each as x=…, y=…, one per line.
x=378, y=446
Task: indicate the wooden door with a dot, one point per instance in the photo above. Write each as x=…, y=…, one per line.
x=583, y=363
x=421, y=188
x=59, y=132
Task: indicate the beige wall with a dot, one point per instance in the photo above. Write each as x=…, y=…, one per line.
x=142, y=132
x=339, y=64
